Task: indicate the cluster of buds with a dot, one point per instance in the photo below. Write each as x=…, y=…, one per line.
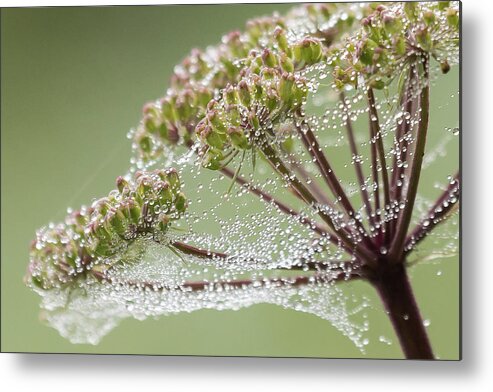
x=247, y=114
x=93, y=237
x=273, y=42
x=394, y=36
x=170, y=120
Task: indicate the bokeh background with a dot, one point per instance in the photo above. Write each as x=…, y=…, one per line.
x=73, y=81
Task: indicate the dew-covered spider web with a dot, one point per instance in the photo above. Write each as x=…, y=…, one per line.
x=265, y=254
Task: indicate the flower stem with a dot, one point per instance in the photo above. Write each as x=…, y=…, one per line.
x=378, y=141
x=230, y=284
x=394, y=288
x=405, y=218
x=439, y=212
x=346, y=238
x=282, y=207
x=357, y=162
x=313, y=147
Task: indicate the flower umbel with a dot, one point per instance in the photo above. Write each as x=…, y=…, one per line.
x=90, y=238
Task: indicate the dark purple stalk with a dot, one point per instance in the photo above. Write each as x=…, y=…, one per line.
x=313, y=147
x=415, y=171
x=437, y=214
x=234, y=284
x=394, y=288
x=357, y=164
x=408, y=103
x=378, y=140
x=314, y=188
x=358, y=248
x=282, y=207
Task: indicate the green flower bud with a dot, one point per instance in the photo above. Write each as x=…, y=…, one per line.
x=400, y=45
x=102, y=206
x=230, y=69
x=38, y=281
x=164, y=194
x=268, y=73
x=254, y=31
x=286, y=63
x=233, y=114
x=196, y=64
x=271, y=100
x=150, y=109
x=410, y=9
x=216, y=121
x=144, y=142
x=285, y=87
x=443, y=5
x=424, y=38
x=180, y=203
x=367, y=51
x=268, y=58
x=257, y=87
x=173, y=179
x=429, y=17
x=168, y=108
x=238, y=138
x=238, y=48
x=392, y=25
x=116, y=221
x=253, y=120
x=151, y=123
x=308, y=50
x=211, y=137
x=453, y=17
x=133, y=211
x=144, y=184
x=230, y=95
x=299, y=95
x=185, y=105
x=244, y=93
x=121, y=184
x=377, y=84
x=282, y=41
x=213, y=159
x=163, y=131
x=202, y=97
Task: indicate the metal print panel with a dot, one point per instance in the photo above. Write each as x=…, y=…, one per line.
x=237, y=180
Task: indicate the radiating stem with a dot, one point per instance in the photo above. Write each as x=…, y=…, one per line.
x=357, y=164
x=378, y=140
x=314, y=188
x=313, y=147
x=415, y=172
x=402, y=129
x=239, y=283
x=288, y=176
x=194, y=251
x=437, y=214
x=310, y=266
x=282, y=207
x=398, y=172
x=374, y=171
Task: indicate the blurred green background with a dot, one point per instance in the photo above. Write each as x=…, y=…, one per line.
x=73, y=83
